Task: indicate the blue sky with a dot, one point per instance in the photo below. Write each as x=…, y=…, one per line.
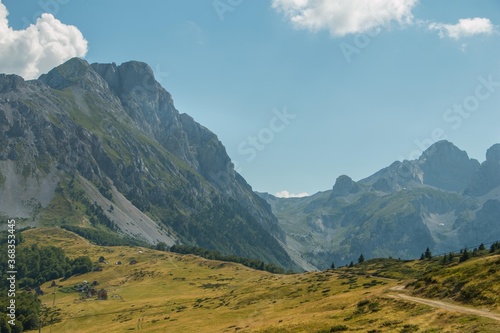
x=300, y=92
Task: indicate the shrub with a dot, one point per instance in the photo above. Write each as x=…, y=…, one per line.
x=470, y=293
x=408, y=328
x=363, y=303
x=336, y=328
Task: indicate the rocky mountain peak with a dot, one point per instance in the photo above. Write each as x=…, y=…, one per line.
x=152, y=108
x=134, y=72
x=344, y=186
x=133, y=77
x=75, y=72
x=143, y=98
x=447, y=167
x=493, y=153
x=442, y=147
x=10, y=82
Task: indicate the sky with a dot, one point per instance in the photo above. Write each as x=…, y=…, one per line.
x=298, y=91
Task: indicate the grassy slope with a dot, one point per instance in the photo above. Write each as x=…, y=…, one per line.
x=166, y=292
x=474, y=282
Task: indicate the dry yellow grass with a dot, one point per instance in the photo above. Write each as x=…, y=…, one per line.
x=167, y=292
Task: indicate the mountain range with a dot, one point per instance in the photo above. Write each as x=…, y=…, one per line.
x=101, y=150
x=444, y=200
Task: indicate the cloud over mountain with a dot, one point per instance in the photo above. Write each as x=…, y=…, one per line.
x=286, y=194
x=39, y=47
x=342, y=17
x=464, y=28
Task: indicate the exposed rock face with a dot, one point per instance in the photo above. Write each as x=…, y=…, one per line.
x=153, y=109
x=446, y=167
x=119, y=129
x=397, y=176
x=10, y=82
x=487, y=176
x=344, y=186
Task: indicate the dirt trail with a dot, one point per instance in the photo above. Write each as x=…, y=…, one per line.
x=444, y=305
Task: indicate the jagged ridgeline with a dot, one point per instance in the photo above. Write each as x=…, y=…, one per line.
x=102, y=150
x=444, y=200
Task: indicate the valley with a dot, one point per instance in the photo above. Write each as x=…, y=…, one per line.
x=165, y=291
x=239, y=166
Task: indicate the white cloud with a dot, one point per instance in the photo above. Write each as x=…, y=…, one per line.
x=286, y=194
x=38, y=48
x=342, y=17
x=464, y=28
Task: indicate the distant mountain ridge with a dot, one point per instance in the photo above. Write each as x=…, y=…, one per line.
x=103, y=147
x=444, y=200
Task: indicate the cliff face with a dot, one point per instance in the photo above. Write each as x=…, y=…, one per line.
x=487, y=176
x=116, y=130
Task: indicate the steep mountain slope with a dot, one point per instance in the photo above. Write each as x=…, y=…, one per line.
x=443, y=200
x=102, y=146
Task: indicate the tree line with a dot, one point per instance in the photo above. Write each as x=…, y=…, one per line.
x=35, y=265
x=464, y=254
x=216, y=255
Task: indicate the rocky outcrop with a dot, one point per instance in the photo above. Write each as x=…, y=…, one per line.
x=344, y=186
x=487, y=177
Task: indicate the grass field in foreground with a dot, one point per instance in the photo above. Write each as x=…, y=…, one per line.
x=167, y=292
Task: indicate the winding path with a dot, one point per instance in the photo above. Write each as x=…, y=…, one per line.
x=444, y=305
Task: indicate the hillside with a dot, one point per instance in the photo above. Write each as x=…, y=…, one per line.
x=168, y=292
x=473, y=282
x=102, y=147
x=443, y=200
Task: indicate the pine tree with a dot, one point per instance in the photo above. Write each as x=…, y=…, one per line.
x=465, y=255
x=482, y=247
x=422, y=257
x=351, y=265
x=361, y=259
x=332, y=266
x=428, y=253
x=494, y=247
